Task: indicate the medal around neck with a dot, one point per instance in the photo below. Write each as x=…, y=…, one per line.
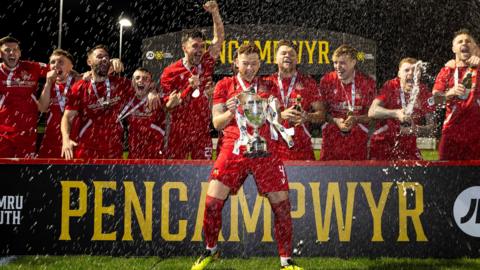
x=196, y=93
x=254, y=109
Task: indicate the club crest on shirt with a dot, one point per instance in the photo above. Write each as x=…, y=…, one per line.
x=299, y=86
x=25, y=75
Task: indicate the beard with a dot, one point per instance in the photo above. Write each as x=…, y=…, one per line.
x=101, y=69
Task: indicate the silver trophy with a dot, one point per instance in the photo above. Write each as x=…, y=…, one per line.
x=255, y=111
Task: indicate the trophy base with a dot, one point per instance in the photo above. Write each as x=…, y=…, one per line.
x=257, y=148
x=256, y=154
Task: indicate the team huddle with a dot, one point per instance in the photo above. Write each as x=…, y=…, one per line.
x=88, y=113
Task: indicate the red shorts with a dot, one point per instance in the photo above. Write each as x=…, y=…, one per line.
x=337, y=145
x=17, y=144
x=232, y=170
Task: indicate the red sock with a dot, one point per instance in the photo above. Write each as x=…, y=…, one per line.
x=212, y=220
x=283, y=227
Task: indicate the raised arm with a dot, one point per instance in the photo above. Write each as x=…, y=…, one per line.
x=218, y=30
x=44, y=100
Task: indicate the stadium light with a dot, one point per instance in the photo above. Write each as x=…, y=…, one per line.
x=60, y=18
x=123, y=23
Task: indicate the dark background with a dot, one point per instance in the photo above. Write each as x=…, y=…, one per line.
x=421, y=29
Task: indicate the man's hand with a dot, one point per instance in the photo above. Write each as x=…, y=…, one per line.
x=402, y=117
x=350, y=121
x=87, y=76
x=473, y=61
x=458, y=90
x=194, y=81
x=116, y=66
x=232, y=104
x=153, y=101
x=340, y=122
x=211, y=6
x=67, y=148
x=52, y=75
x=174, y=99
x=451, y=64
x=209, y=87
x=291, y=115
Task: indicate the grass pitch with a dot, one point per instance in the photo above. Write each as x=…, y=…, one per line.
x=315, y=263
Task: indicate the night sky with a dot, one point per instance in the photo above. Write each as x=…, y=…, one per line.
x=421, y=29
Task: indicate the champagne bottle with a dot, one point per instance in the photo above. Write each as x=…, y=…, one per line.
x=467, y=82
x=298, y=103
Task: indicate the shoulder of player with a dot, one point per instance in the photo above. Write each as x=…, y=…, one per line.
x=172, y=68
x=25, y=65
x=446, y=71
x=329, y=77
x=224, y=83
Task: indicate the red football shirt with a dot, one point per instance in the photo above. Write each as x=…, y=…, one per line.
x=193, y=114
x=101, y=130
x=145, y=130
x=307, y=88
x=390, y=96
x=229, y=87
x=463, y=116
x=58, y=98
x=18, y=110
x=338, y=98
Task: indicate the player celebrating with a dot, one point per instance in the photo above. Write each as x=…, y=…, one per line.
x=18, y=104
x=100, y=101
x=459, y=86
x=346, y=95
x=231, y=168
x=60, y=80
x=144, y=124
x=396, y=136
x=189, y=110
x=299, y=102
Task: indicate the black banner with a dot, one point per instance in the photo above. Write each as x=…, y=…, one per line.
x=315, y=48
x=339, y=209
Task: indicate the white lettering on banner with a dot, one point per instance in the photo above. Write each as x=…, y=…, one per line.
x=10, y=209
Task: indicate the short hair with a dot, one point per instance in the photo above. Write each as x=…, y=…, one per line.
x=99, y=46
x=8, y=39
x=247, y=48
x=287, y=43
x=409, y=60
x=463, y=31
x=195, y=33
x=64, y=53
x=142, y=69
x=345, y=49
